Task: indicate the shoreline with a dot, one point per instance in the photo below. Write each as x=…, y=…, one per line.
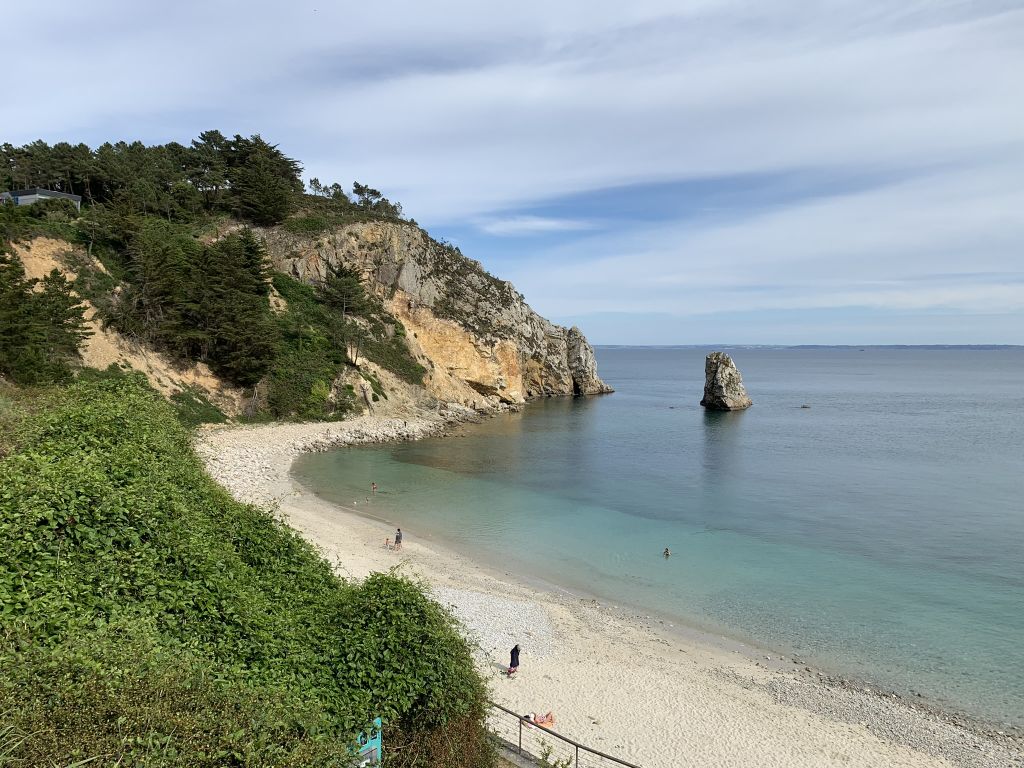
x=617, y=680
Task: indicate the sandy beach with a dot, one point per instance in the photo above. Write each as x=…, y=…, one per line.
x=629, y=685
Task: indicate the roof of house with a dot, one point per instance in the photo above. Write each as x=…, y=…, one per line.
x=41, y=191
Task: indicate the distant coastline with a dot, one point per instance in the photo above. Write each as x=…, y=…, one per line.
x=811, y=346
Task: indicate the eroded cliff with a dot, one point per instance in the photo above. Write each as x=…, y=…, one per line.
x=479, y=340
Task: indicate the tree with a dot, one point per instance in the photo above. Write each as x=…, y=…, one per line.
x=373, y=200
x=235, y=309
x=208, y=168
x=342, y=290
x=366, y=197
x=264, y=182
x=39, y=330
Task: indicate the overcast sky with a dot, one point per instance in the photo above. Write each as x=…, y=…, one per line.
x=656, y=172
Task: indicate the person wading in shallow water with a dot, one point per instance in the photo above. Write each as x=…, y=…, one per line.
x=513, y=664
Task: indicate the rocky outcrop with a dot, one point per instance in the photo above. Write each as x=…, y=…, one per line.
x=723, y=385
x=583, y=365
x=480, y=341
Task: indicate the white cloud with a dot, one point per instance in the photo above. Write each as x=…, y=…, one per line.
x=527, y=225
x=951, y=240
x=468, y=113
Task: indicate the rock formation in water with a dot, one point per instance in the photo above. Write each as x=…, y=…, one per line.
x=583, y=365
x=723, y=385
x=479, y=340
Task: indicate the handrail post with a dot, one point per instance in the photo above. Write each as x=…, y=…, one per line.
x=577, y=756
x=520, y=735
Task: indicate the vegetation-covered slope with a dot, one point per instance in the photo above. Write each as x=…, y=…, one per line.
x=179, y=269
x=172, y=252
x=146, y=618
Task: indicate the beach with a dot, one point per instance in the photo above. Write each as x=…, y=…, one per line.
x=627, y=684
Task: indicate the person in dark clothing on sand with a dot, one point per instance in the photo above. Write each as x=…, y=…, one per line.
x=513, y=664
x=398, y=539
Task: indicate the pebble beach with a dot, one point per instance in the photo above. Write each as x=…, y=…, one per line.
x=626, y=684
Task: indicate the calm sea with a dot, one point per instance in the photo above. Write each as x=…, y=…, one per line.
x=878, y=533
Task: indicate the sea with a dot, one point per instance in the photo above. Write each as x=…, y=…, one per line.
x=866, y=515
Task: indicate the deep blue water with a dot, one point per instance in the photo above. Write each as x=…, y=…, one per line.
x=878, y=533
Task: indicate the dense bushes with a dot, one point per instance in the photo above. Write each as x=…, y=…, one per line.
x=315, y=332
x=312, y=355
x=148, y=619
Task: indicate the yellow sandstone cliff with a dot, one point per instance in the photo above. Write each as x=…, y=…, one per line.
x=479, y=340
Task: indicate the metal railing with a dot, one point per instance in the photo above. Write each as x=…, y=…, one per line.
x=539, y=743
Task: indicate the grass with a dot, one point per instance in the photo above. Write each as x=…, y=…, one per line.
x=193, y=408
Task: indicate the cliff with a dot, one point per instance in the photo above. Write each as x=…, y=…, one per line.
x=479, y=340
x=480, y=344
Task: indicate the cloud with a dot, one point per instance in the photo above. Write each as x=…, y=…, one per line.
x=946, y=240
x=528, y=225
x=490, y=122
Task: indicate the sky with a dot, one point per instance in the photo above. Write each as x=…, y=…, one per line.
x=836, y=172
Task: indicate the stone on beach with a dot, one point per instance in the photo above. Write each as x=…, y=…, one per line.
x=723, y=385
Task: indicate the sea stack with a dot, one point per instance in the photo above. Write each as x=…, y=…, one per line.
x=723, y=385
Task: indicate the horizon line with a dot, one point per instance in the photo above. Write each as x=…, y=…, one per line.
x=812, y=346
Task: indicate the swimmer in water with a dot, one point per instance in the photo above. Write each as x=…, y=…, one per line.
x=667, y=553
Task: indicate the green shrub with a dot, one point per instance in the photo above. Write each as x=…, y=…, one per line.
x=375, y=385
x=306, y=225
x=193, y=408
x=146, y=618
x=390, y=351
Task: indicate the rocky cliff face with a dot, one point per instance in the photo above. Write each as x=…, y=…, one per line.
x=480, y=341
x=723, y=385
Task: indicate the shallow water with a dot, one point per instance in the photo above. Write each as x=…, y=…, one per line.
x=878, y=533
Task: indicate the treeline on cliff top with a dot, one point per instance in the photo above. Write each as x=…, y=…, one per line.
x=151, y=217
x=146, y=618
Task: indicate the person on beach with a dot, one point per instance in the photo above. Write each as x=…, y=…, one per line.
x=541, y=720
x=387, y=543
x=373, y=487
x=513, y=663
x=398, y=539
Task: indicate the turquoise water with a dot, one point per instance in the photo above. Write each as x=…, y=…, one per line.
x=878, y=533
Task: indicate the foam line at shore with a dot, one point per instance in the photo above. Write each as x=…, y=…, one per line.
x=621, y=685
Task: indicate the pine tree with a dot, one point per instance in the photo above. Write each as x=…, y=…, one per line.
x=342, y=290
x=39, y=330
x=236, y=312
x=264, y=183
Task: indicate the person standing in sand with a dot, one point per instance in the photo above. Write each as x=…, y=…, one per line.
x=398, y=539
x=513, y=663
